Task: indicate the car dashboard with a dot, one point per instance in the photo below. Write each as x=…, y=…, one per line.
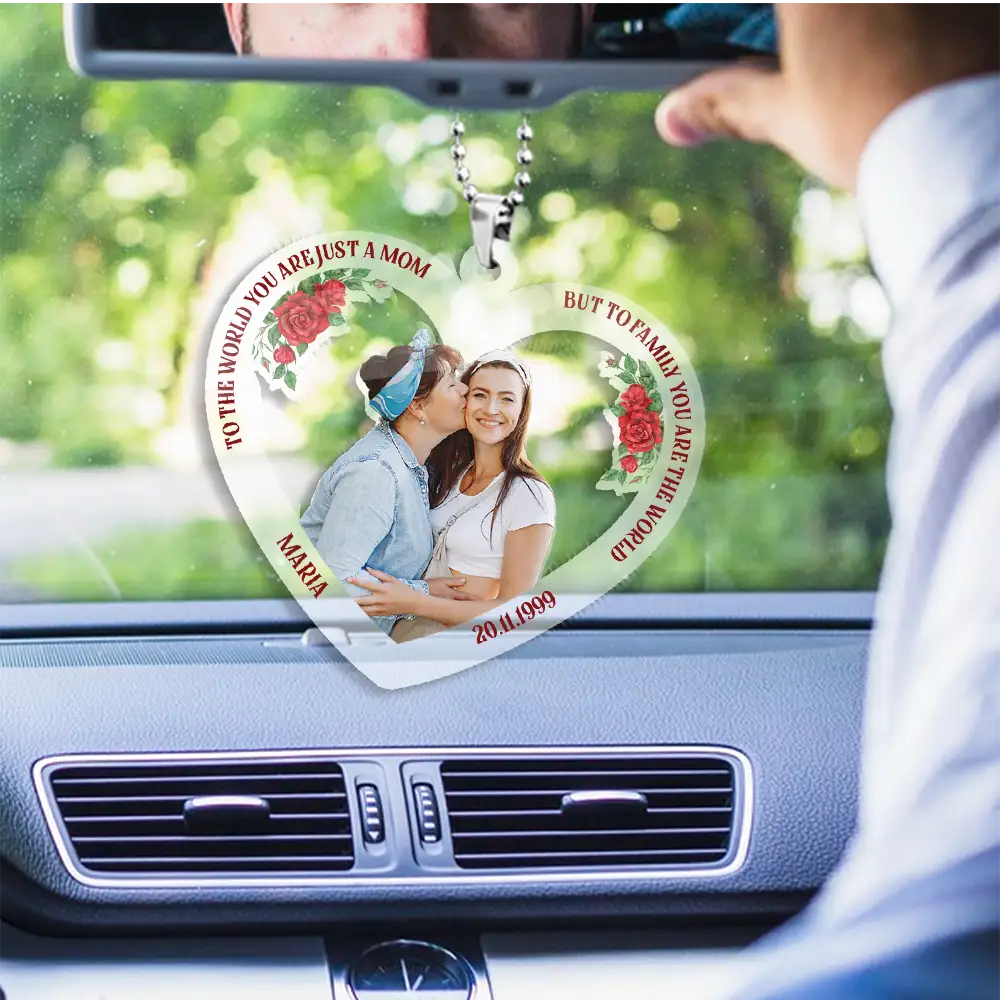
x=617, y=808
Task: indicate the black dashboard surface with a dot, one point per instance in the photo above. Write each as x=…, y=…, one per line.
x=790, y=700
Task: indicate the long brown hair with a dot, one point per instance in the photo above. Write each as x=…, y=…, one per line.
x=439, y=360
x=450, y=460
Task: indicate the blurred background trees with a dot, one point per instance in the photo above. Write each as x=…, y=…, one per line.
x=128, y=208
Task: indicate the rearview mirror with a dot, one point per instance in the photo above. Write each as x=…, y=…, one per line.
x=515, y=56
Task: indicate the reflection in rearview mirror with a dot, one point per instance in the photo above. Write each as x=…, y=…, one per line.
x=405, y=32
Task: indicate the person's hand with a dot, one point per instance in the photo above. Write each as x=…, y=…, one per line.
x=844, y=68
x=447, y=587
x=388, y=596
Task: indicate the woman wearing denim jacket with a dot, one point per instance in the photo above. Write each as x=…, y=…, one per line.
x=371, y=509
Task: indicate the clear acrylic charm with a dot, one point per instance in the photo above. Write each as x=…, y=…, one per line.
x=359, y=291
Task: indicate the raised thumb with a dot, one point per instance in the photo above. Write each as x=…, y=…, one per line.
x=737, y=102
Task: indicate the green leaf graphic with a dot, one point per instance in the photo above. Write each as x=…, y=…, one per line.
x=627, y=379
x=290, y=379
x=655, y=402
x=355, y=284
x=337, y=319
x=273, y=336
x=647, y=457
x=334, y=275
x=301, y=349
x=279, y=372
x=270, y=318
x=630, y=365
x=361, y=272
x=618, y=410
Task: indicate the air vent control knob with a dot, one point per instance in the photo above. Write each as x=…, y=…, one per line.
x=226, y=815
x=428, y=817
x=372, y=820
x=599, y=806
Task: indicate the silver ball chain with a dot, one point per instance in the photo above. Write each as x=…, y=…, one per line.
x=522, y=178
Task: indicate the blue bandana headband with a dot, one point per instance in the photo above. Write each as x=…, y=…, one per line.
x=397, y=394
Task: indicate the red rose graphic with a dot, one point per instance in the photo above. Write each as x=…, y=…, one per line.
x=331, y=295
x=635, y=398
x=379, y=283
x=284, y=355
x=630, y=463
x=640, y=430
x=301, y=319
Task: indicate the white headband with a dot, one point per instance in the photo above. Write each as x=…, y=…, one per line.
x=490, y=357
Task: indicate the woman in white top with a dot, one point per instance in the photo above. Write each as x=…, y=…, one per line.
x=493, y=515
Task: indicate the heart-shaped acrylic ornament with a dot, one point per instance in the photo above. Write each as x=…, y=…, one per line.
x=280, y=318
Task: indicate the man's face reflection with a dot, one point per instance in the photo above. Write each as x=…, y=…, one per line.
x=408, y=31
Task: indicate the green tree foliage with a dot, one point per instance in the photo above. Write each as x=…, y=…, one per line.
x=116, y=195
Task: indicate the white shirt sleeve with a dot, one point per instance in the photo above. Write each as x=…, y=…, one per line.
x=529, y=502
x=924, y=865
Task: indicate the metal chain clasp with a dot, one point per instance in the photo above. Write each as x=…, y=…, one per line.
x=491, y=216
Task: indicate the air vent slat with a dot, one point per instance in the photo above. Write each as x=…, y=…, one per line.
x=549, y=859
x=664, y=811
x=137, y=823
x=279, y=796
x=147, y=818
x=167, y=862
x=152, y=779
x=200, y=786
x=563, y=782
x=569, y=787
x=253, y=838
x=630, y=773
x=600, y=832
x=523, y=813
x=211, y=768
x=158, y=807
x=552, y=821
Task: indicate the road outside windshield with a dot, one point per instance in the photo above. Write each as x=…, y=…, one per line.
x=129, y=208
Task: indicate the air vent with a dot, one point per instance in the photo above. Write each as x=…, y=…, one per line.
x=190, y=819
x=590, y=811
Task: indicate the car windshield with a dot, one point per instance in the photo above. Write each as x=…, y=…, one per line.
x=128, y=207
